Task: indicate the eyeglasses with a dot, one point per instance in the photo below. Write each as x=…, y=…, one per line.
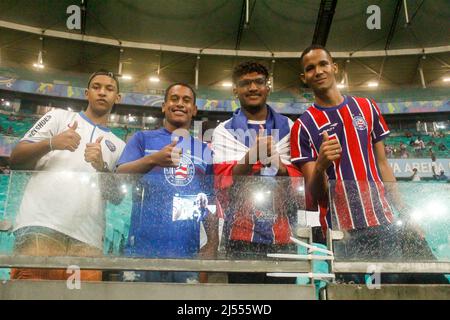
x=259, y=82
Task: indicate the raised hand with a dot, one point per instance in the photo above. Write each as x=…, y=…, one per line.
x=262, y=149
x=330, y=150
x=93, y=154
x=169, y=156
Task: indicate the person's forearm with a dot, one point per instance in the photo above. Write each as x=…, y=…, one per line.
x=386, y=172
x=26, y=154
x=318, y=184
x=282, y=170
x=209, y=250
x=142, y=165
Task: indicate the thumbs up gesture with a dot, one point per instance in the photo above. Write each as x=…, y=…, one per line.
x=169, y=156
x=262, y=149
x=330, y=150
x=93, y=155
x=67, y=140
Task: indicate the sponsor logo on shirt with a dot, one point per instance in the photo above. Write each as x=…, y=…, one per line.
x=39, y=125
x=110, y=145
x=183, y=174
x=359, y=123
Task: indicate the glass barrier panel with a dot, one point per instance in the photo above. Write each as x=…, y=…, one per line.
x=391, y=222
x=169, y=214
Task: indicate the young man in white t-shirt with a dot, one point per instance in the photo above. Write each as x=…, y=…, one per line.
x=62, y=210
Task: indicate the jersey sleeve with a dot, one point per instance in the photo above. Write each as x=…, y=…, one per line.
x=45, y=128
x=134, y=149
x=380, y=129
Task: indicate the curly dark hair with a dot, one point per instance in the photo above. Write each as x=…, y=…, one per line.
x=249, y=67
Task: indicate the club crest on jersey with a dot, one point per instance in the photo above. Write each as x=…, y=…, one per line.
x=359, y=123
x=183, y=174
x=110, y=145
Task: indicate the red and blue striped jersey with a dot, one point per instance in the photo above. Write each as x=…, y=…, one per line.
x=357, y=124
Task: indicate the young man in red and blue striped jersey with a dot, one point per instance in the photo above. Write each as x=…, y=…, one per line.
x=338, y=143
x=341, y=137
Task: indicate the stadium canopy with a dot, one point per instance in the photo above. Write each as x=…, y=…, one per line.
x=411, y=47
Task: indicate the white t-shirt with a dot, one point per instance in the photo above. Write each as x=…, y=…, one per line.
x=65, y=194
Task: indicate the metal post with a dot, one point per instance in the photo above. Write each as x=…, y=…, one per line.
x=272, y=84
x=422, y=78
x=197, y=68
x=120, y=61
x=247, y=12
x=406, y=11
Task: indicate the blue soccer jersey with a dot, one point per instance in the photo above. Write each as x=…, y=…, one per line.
x=166, y=217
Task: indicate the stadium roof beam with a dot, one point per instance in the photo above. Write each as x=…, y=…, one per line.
x=393, y=25
x=323, y=22
x=444, y=64
x=83, y=16
x=244, y=21
x=380, y=77
x=207, y=51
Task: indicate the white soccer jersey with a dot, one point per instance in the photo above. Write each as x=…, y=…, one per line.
x=65, y=195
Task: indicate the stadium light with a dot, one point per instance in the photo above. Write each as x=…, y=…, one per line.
x=446, y=79
x=227, y=84
x=154, y=79
x=127, y=77
x=40, y=61
x=372, y=84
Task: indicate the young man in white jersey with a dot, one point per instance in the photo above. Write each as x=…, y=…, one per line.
x=62, y=210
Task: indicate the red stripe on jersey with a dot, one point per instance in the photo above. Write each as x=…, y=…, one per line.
x=319, y=117
x=342, y=207
x=386, y=208
x=353, y=145
x=295, y=140
x=366, y=110
x=364, y=190
x=242, y=228
x=281, y=230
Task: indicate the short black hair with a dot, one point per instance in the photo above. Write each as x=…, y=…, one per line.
x=249, y=67
x=311, y=48
x=166, y=94
x=104, y=72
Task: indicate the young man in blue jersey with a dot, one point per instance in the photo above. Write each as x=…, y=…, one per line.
x=176, y=168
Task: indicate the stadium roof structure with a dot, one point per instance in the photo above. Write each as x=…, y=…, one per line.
x=171, y=37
